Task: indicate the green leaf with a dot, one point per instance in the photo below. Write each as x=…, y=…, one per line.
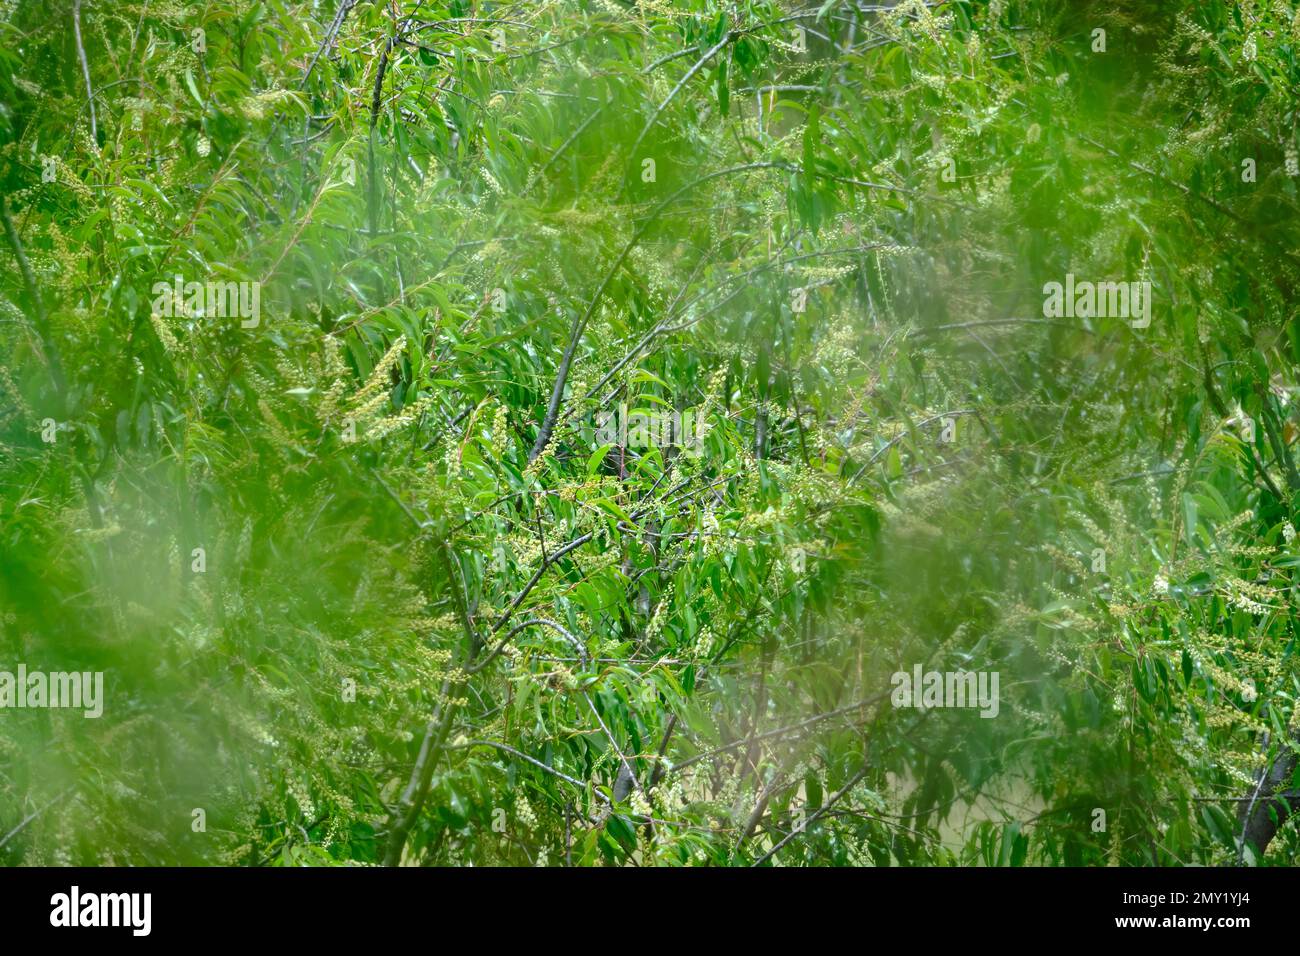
x=598, y=457
x=194, y=90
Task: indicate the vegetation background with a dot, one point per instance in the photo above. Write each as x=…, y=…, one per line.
x=367, y=586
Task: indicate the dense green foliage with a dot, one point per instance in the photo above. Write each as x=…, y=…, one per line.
x=371, y=579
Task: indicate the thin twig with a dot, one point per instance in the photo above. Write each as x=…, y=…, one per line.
x=85, y=69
